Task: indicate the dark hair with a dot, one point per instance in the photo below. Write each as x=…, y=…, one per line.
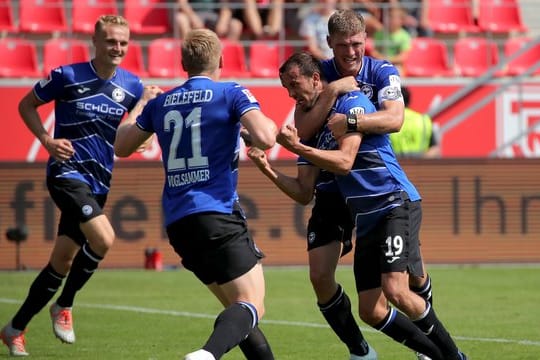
x=306, y=63
x=406, y=95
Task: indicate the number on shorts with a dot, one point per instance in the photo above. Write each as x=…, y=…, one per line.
x=394, y=246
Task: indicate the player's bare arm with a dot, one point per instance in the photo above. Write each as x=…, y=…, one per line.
x=60, y=149
x=300, y=189
x=309, y=122
x=337, y=161
x=261, y=129
x=387, y=120
x=129, y=137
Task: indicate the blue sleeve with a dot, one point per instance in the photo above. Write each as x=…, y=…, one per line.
x=144, y=120
x=242, y=100
x=52, y=87
x=354, y=103
x=386, y=75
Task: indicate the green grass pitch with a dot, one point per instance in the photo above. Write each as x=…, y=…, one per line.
x=493, y=312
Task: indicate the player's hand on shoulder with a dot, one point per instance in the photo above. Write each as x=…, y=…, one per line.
x=337, y=123
x=344, y=85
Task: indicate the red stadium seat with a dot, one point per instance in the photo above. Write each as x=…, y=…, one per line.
x=525, y=61
x=86, y=12
x=42, y=16
x=147, y=16
x=234, y=60
x=266, y=57
x=427, y=57
x=500, y=16
x=475, y=55
x=165, y=58
x=134, y=60
x=61, y=51
x=451, y=16
x=18, y=58
x=6, y=17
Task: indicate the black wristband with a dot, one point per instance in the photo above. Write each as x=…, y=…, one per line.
x=351, y=123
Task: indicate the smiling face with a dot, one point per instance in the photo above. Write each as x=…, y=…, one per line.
x=347, y=39
x=303, y=89
x=348, y=51
x=111, y=45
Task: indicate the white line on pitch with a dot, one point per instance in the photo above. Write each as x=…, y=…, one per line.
x=144, y=310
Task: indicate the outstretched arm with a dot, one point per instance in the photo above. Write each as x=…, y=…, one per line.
x=258, y=129
x=129, y=137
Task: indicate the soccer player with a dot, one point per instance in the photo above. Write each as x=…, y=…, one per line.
x=198, y=127
x=386, y=210
x=379, y=80
x=91, y=99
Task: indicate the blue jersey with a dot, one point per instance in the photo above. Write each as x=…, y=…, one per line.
x=378, y=79
x=87, y=112
x=198, y=128
x=376, y=183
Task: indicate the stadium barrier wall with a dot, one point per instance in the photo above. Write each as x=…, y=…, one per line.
x=510, y=121
x=475, y=211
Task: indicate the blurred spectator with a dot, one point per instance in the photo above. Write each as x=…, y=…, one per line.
x=262, y=18
x=418, y=134
x=294, y=13
x=417, y=21
x=314, y=29
x=392, y=42
x=212, y=14
x=373, y=12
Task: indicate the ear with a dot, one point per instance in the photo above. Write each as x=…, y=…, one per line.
x=316, y=78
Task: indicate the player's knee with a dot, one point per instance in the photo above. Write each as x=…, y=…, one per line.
x=321, y=278
x=256, y=310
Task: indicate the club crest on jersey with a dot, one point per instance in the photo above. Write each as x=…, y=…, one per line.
x=118, y=95
x=367, y=90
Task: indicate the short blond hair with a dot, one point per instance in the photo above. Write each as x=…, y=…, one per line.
x=105, y=20
x=201, y=51
x=346, y=22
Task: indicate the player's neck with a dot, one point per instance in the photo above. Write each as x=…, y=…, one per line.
x=105, y=72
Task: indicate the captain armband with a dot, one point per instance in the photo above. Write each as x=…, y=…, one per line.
x=352, y=122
